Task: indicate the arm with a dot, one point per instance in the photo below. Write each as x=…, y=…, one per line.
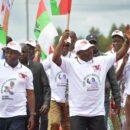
x=57, y=53
x=37, y=53
x=46, y=92
x=119, y=72
x=31, y=105
x=114, y=86
x=46, y=63
x=125, y=46
x=127, y=110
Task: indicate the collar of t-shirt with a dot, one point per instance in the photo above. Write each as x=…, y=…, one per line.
x=19, y=65
x=83, y=62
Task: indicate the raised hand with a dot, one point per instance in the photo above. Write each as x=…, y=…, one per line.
x=127, y=32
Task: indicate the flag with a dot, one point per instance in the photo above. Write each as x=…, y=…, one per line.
x=60, y=7
x=45, y=31
x=5, y=7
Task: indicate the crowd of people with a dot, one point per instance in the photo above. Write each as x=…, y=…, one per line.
x=77, y=87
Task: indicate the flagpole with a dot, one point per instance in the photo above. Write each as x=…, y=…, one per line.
x=27, y=20
x=68, y=22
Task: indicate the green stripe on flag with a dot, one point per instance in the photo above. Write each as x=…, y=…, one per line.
x=2, y=36
x=54, y=7
x=43, y=55
x=41, y=22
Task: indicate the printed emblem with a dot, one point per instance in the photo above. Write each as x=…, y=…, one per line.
x=91, y=82
x=97, y=68
x=7, y=89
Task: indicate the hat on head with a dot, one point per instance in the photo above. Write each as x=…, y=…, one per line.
x=118, y=33
x=82, y=44
x=92, y=37
x=13, y=45
x=31, y=43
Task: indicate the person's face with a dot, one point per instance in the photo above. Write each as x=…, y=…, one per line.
x=86, y=55
x=11, y=56
x=65, y=49
x=96, y=48
x=117, y=43
x=31, y=51
x=24, y=55
x=73, y=40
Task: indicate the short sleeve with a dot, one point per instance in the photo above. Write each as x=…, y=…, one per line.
x=46, y=62
x=110, y=59
x=128, y=89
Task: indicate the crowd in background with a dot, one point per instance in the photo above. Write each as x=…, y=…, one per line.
x=77, y=87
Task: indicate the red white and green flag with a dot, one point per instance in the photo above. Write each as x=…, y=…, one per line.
x=60, y=7
x=45, y=31
x=5, y=7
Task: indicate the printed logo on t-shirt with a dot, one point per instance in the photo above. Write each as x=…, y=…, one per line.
x=92, y=82
x=22, y=75
x=97, y=68
x=61, y=79
x=7, y=89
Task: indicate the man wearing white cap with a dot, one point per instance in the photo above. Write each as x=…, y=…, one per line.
x=87, y=76
x=16, y=88
x=58, y=113
x=127, y=91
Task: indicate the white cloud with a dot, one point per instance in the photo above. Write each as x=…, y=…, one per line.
x=85, y=14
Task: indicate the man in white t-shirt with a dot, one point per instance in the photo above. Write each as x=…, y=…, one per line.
x=127, y=106
x=16, y=89
x=127, y=91
x=87, y=76
x=58, y=113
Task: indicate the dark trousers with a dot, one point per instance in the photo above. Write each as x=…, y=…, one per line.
x=44, y=122
x=87, y=123
x=41, y=122
x=13, y=123
x=107, y=107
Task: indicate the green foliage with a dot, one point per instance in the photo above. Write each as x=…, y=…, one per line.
x=105, y=42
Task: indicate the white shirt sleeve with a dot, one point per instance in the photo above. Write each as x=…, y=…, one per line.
x=29, y=83
x=127, y=76
x=47, y=62
x=128, y=89
x=109, y=60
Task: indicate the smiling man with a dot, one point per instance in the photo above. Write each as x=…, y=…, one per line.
x=87, y=76
x=16, y=88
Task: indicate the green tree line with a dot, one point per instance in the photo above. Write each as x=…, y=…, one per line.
x=104, y=41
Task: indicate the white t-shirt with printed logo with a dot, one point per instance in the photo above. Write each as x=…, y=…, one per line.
x=58, y=80
x=126, y=75
x=13, y=85
x=87, y=84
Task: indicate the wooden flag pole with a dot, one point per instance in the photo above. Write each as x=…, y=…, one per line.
x=68, y=22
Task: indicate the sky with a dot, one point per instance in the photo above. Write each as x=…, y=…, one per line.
x=84, y=15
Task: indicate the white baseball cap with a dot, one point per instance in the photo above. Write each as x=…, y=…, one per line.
x=82, y=44
x=118, y=33
x=31, y=43
x=13, y=45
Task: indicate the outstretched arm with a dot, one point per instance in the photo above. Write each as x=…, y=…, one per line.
x=57, y=53
x=125, y=46
x=119, y=72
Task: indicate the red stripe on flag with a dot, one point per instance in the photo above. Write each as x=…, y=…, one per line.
x=41, y=8
x=65, y=6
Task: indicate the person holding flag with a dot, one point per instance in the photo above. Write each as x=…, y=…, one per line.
x=86, y=89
